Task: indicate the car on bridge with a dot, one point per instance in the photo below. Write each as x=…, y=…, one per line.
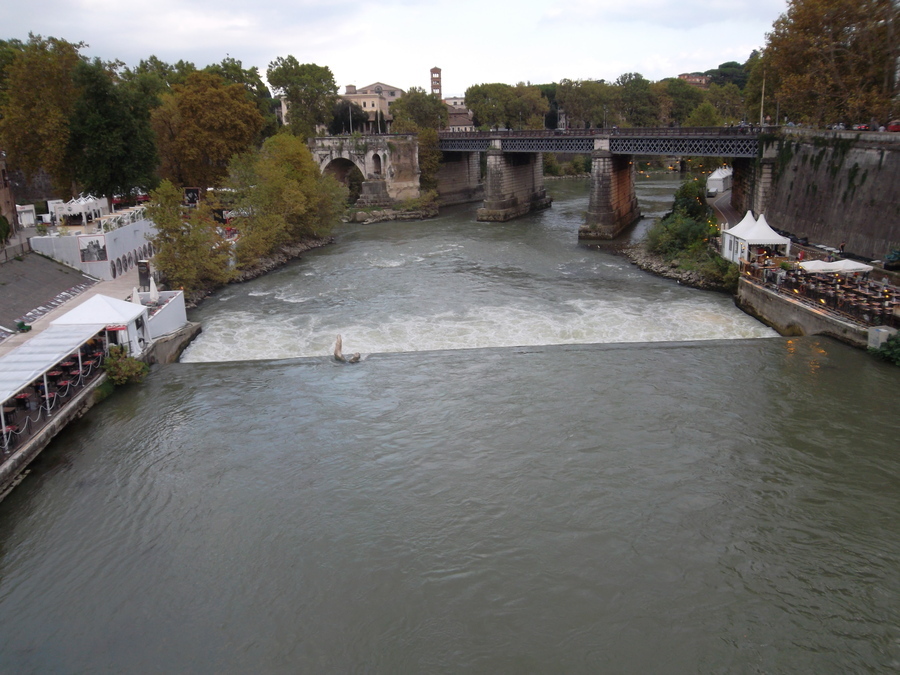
x=893, y=125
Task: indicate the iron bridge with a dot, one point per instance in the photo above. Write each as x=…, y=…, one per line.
x=703, y=142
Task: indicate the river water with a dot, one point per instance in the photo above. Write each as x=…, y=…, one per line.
x=547, y=461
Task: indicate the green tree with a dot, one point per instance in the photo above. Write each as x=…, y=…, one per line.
x=200, y=126
x=488, y=103
x=637, y=106
x=684, y=97
x=834, y=60
x=346, y=117
x=9, y=50
x=281, y=198
x=40, y=97
x=191, y=252
x=727, y=100
x=310, y=92
x=731, y=72
x=418, y=110
x=705, y=115
x=111, y=146
x=526, y=107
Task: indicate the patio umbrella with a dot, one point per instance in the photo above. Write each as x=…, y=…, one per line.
x=135, y=298
x=154, y=293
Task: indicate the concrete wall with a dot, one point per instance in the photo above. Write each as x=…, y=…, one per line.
x=834, y=187
x=514, y=185
x=459, y=178
x=791, y=317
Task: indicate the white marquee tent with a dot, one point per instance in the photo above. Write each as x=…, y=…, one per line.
x=737, y=242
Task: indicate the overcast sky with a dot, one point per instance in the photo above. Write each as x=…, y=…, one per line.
x=399, y=41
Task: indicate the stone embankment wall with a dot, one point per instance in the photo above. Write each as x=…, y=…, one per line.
x=836, y=187
x=791, y=317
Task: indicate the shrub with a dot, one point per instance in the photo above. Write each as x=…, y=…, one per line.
x=890, y=350
x=121, y=368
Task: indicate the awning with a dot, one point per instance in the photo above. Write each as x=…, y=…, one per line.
x=26, y=363
x=842, y=266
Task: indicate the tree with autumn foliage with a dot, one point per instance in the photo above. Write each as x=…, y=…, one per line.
x=829, y=61
x=279, y=197
x=200, y=125
x=191, y=251
x=39, y=98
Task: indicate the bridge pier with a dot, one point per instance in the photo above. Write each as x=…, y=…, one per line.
x=514, y=185
x=613, y=205
x=459, y=178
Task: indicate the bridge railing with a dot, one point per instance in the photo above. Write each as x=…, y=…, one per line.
x=655, y=132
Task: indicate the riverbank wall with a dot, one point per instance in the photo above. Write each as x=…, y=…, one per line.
x=832, y=187
x=165, y=349
x=12, y=470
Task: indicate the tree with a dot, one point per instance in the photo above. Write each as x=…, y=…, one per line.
x=418, y=110
x=833, y=60
x=40, y=98
x=9, y=50
x=232, y=70
x=526, y=107
x=280, y=197
x=636, y=104
x=346, y=117
x=310, y=92
x=684, y=98
x=704, y=115
x=191, y=252
x=727, y=100
x=488, y=103
x=731, y=72
x=200, y=125
x=111, y=147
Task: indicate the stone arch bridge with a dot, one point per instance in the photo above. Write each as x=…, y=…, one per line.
x=389, y=164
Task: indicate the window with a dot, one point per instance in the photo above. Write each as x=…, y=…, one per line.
x=393, y=93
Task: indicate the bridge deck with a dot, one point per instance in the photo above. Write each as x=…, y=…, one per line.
x=714, y=141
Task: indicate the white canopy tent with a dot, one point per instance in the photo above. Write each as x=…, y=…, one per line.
x=29, y=361
x=113, y=314
x=719, y=181
x=737, y=242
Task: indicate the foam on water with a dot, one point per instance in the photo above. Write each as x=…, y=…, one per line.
x=242, y=336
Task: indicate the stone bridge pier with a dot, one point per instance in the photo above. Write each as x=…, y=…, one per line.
x=613, y=205
x=514, y=185
x=459, y=178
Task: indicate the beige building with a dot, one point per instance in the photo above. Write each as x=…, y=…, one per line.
x=373, y=99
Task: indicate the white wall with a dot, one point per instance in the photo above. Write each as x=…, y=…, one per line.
x=130, y=238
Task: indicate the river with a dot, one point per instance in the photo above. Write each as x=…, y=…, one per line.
x=547, y=461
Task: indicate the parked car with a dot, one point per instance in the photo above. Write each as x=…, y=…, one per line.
x=893, y=125
x=860, y=127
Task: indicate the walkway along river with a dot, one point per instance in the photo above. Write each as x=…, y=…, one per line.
x=719, y=500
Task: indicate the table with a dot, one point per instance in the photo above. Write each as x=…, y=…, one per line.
x=66, y=364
